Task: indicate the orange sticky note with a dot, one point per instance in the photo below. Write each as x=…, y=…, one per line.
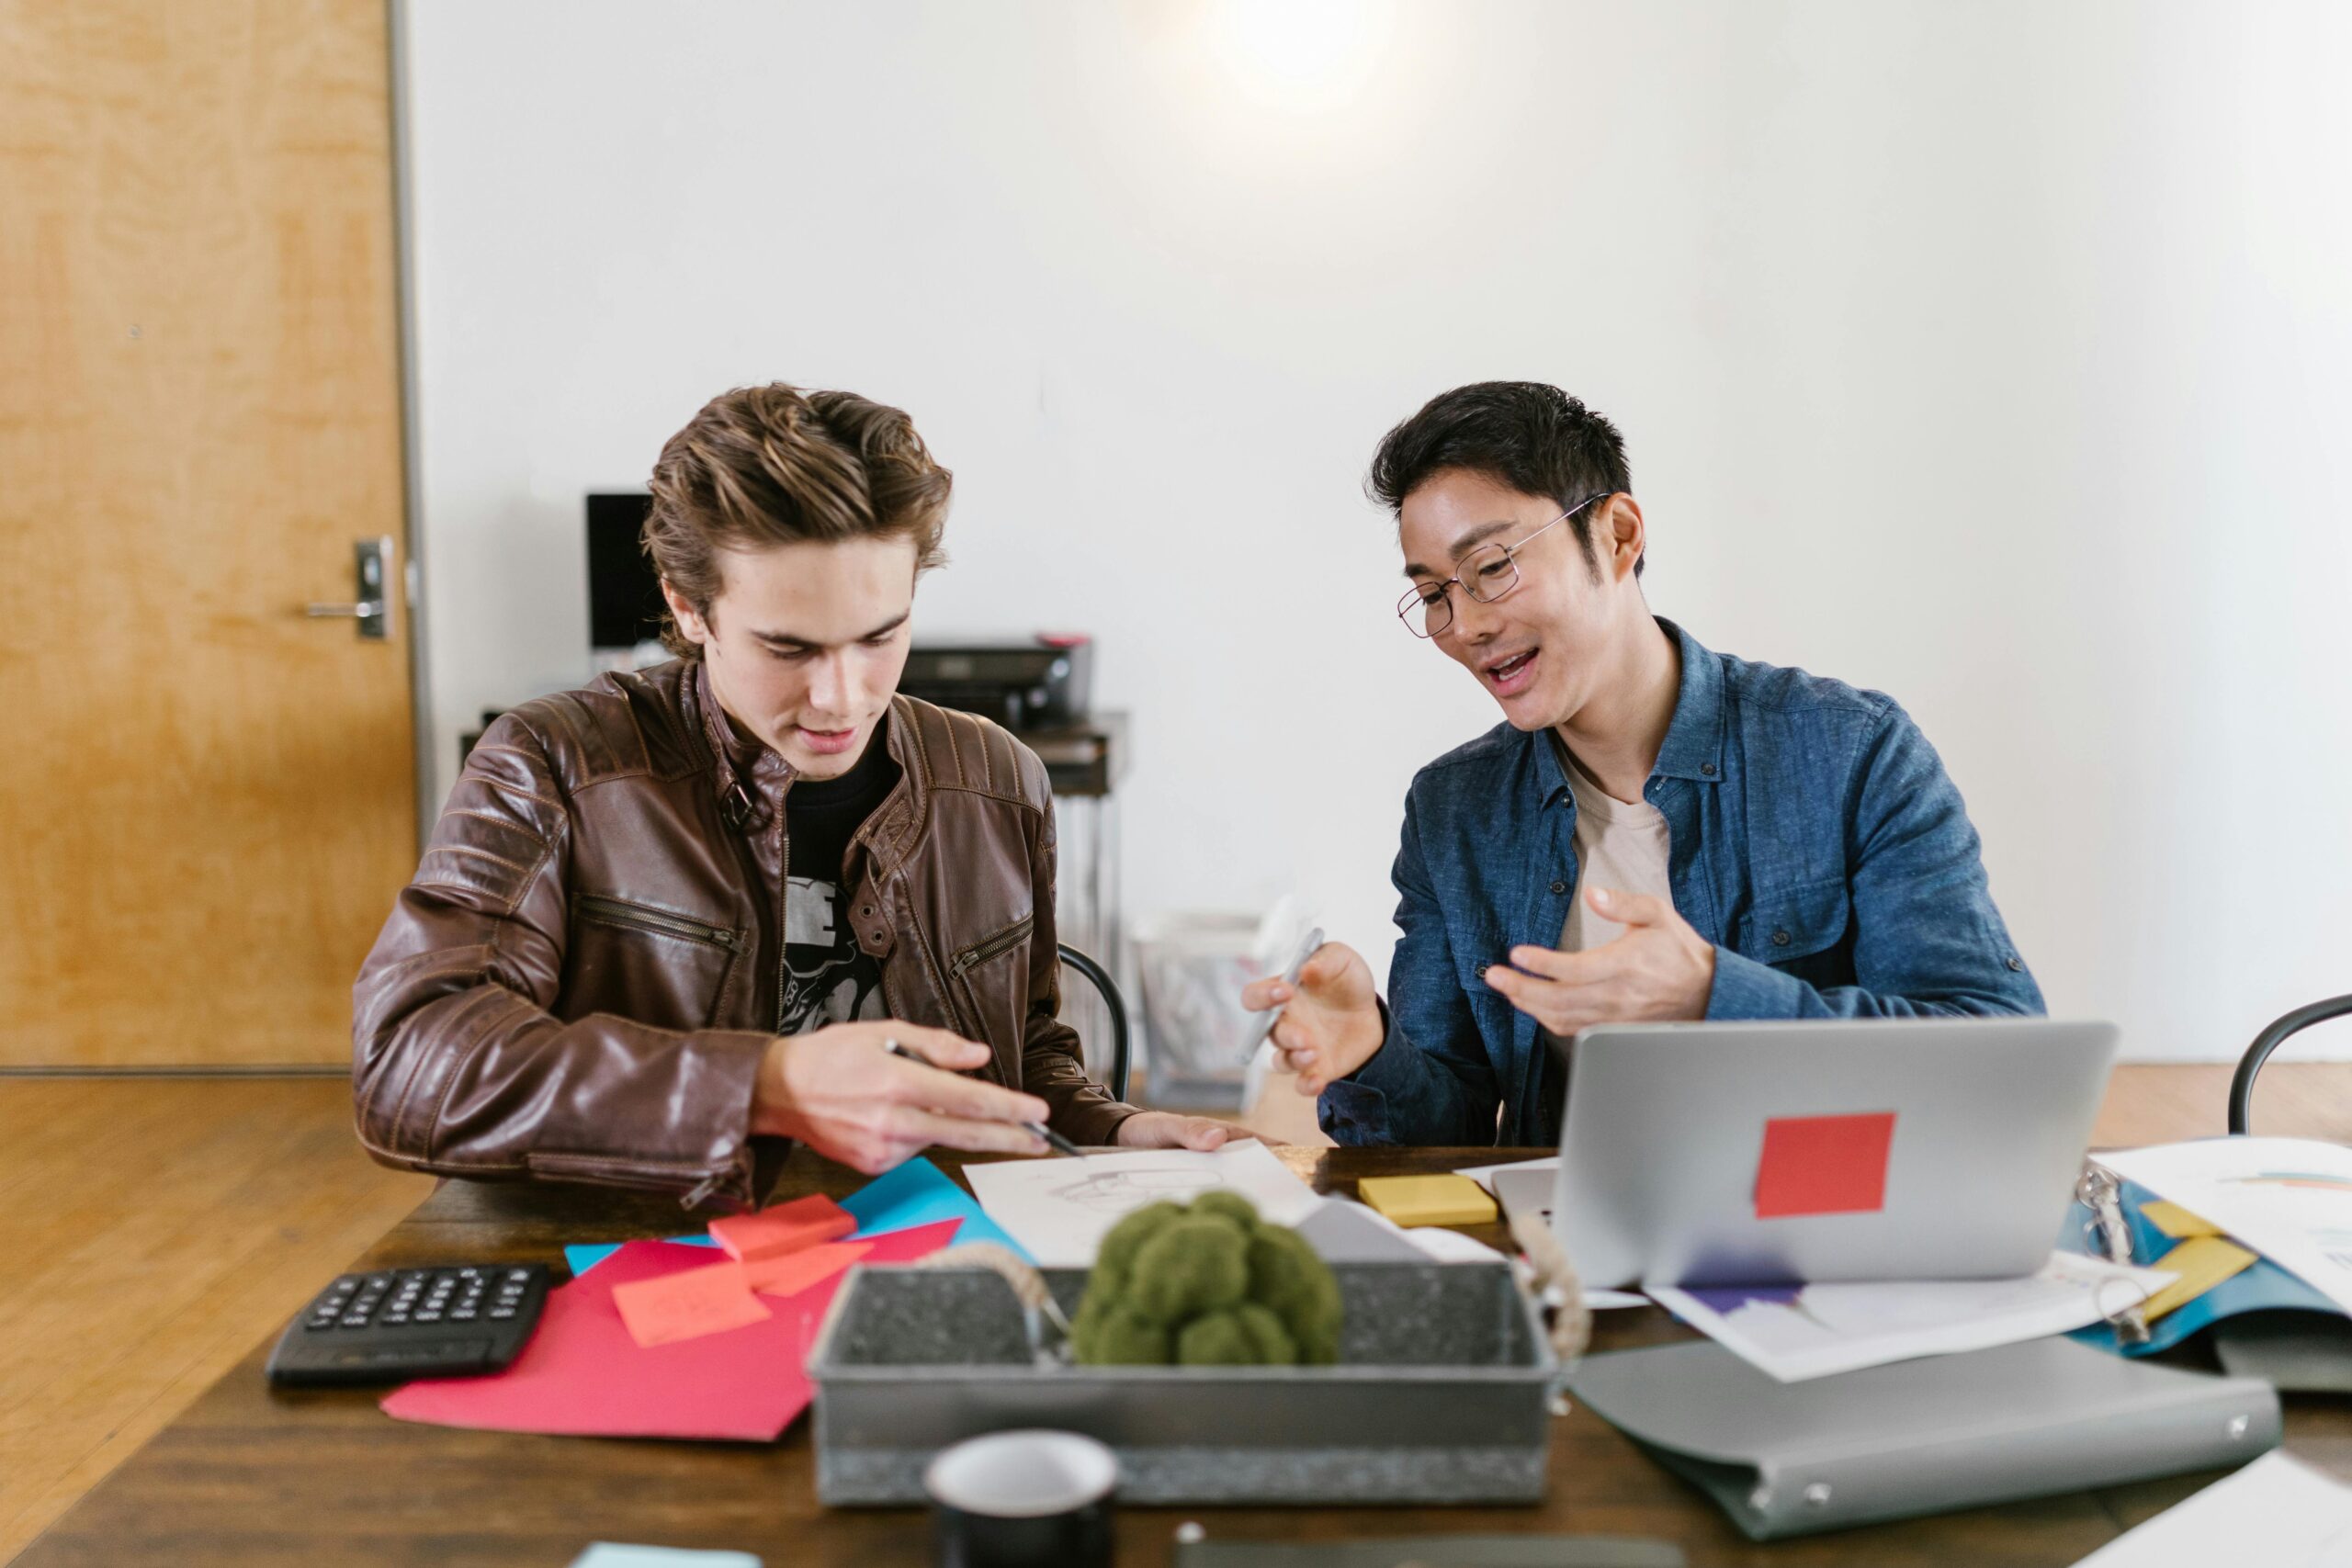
x=788, y=1227
x=790, y=1273
x=688, y=1304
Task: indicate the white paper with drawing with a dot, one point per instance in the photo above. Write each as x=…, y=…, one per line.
x=1060, y=1209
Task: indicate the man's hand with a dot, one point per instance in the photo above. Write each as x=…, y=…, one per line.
x=1331, y=1022
x=1166, y=1130
x=1659, y=970
x=840, y=1092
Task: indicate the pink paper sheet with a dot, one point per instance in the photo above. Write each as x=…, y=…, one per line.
x=582, y=1374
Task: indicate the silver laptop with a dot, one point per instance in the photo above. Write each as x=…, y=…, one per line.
x=1757, y=1153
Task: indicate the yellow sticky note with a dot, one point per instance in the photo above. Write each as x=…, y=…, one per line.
x=2177, y=1222
x=1428, y=1199
x=2202, y=1262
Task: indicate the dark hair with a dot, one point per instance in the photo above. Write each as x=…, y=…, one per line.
x=774, y=465
x=1534, y=438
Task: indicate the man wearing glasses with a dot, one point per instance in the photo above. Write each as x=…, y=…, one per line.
x=1655, y=831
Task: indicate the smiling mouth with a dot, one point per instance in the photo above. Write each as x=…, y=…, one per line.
x=1501, y=671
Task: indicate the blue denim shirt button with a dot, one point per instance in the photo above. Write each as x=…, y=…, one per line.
x=1779, y=938
x=1558, y=885
x=2017, y=964
x=1708, y=769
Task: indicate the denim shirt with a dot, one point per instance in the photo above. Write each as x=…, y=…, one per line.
x=1815, y=842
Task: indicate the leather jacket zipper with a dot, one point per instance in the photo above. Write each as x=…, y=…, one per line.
x=636, y=917
x=980, y=952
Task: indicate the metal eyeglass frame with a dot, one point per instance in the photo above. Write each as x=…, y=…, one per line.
x=1417, y=599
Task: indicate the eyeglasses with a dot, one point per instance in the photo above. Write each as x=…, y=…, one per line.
x=1488, y=573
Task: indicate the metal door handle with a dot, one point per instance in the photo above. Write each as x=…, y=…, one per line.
x=372, y=607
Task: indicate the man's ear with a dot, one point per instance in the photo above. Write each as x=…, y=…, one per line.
x=1622, y=535
x=691, y=625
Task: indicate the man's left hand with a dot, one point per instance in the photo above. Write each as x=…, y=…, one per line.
x=1166, y=1130
x=1660, y=971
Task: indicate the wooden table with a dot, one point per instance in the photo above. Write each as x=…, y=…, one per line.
x=252, y=1476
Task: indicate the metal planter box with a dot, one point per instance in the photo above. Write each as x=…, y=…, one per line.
x=1442, y=1394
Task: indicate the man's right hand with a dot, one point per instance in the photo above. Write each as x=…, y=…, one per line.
x=1330, y=1021
x=838, y=1091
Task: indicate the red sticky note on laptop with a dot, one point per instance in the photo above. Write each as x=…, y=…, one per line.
x=788, y=1227
x=1824, y=1165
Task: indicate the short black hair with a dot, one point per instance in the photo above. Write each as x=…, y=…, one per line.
x=1534, y=438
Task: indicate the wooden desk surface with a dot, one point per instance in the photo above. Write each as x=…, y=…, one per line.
x=250, y=1476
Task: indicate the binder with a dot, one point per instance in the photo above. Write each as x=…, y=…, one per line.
x=1923, y=1437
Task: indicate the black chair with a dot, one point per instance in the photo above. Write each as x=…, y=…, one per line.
x=1116, y=1005
x=2270, y=1040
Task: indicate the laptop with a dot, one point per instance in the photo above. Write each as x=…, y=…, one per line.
x=1733, y=1154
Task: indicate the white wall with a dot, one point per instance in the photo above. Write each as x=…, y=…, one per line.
x=1996, y=355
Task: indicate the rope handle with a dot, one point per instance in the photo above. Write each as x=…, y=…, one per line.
x=1039, y=1311
x=1554, y=1286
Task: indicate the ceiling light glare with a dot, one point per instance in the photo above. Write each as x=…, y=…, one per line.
x=1302, y=56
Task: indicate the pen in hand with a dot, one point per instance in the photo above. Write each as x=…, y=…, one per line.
x=1054, y=1140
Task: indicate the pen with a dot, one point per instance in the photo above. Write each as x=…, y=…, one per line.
x=1054, y=1140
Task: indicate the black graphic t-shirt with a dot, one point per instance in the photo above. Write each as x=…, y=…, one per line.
x=828, y=978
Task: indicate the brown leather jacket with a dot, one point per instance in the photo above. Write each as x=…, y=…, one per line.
x=580, y=980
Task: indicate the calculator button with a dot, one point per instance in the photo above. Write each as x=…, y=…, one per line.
x=430, y=1314
x=519, y=1276
x=464, y=1314
x=396, y=1316
x=346, y=1284
x=502, y=1311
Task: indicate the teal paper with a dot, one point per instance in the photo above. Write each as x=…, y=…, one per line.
x=920, y=1193
x=917, y=1194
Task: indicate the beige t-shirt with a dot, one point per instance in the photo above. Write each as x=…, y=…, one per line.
x=1620, y=845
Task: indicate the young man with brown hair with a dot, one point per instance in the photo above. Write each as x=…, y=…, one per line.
x=689, y=907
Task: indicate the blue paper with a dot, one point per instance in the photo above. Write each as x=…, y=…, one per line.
x=917, y=1194
x=2262, y=1286
x=920, y=1193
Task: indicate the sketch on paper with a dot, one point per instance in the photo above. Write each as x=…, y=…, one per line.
x=1060, y=1209
x=1124, y=1191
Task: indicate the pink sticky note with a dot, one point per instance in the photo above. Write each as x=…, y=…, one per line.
x=687, y=1304
x=793, y=1272
x=1824, y=1165
x=788, y=1228
x=582, y=1375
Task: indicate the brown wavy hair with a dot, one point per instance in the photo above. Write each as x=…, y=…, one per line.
x=774, y=465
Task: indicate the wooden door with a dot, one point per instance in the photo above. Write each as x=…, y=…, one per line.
x=207, y=799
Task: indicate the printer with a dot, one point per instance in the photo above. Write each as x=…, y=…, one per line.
x=1038, y=682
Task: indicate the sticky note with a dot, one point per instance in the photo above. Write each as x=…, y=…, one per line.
x=2202, y=1262
x=688, y=1304
x=1824, y=1165
x=1447, y=1200
x=790, y=1273
x=2177, y=1222
x=788, y=1227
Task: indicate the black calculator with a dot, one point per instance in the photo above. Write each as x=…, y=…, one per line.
x=412, y=1323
